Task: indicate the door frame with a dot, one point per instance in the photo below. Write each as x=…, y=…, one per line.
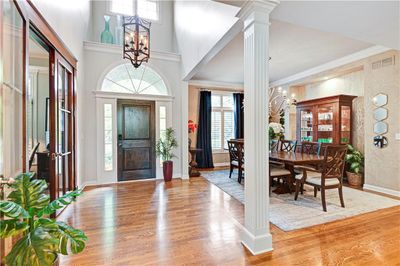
x=101, y=97
x=34, y=20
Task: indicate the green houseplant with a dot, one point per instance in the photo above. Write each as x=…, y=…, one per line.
x=355, y=166
x=164, y=148
x=28, y=208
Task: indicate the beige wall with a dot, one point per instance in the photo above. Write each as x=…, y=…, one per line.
x=194, y=97
x=382, y=166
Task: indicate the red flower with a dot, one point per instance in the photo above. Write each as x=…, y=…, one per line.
x=191, y=126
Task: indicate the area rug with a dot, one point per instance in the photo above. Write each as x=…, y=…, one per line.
x=288, y=214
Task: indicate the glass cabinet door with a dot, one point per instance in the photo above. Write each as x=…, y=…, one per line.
x=306, y=125
x=345, y=124
x=325, y=124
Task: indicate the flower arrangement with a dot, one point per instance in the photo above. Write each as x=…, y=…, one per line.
x=191, y=126
x=276, y=130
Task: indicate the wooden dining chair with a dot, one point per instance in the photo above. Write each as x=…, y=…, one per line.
x=233, y=156
x=310, y=147
x=274, y=145
x=329, y=177
x=240, y=148
x=288, y=145
x=280, y=173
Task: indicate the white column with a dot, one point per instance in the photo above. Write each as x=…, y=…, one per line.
x=184, y=128
x=255, y=15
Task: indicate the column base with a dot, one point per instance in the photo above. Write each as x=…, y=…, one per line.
x=256, y=244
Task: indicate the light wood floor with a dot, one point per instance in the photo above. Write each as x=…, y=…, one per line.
x=194, y=222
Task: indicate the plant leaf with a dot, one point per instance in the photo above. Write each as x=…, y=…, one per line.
x=70, y=239
x=29, y=193
x=13, y=210
x=38, y=248
x=12, y=227
x=59, y=203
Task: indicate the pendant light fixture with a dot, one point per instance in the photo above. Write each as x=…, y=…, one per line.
x=136, y=40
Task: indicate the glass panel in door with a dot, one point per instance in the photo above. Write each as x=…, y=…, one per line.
x=306, y=125
x=345, y=124
x=63, y=121
x=11, y=100
x=325, y=124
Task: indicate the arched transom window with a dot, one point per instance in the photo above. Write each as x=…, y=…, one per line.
x=127, y=79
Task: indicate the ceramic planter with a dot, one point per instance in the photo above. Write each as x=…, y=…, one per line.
x=167, y=170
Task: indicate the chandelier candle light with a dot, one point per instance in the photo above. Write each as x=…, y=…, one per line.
x=137, y=40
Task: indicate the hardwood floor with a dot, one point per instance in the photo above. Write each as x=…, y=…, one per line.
x=194, y=222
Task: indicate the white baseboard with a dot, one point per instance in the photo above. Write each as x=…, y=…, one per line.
x=221, y=164
x=94, y=183
x=387, y=191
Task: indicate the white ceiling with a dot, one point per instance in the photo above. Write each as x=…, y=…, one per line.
x=293, y=49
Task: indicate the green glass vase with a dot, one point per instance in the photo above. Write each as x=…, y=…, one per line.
x=106, y=36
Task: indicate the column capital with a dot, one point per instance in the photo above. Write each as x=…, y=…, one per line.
x=256, y=10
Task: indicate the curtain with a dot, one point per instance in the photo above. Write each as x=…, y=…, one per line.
x=238, y=115
x=204, y=158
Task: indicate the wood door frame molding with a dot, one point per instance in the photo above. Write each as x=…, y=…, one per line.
x=36, y=19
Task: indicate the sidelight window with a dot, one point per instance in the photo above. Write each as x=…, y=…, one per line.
x=108, y=137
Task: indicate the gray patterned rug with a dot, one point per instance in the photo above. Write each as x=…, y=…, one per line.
x=288, y=214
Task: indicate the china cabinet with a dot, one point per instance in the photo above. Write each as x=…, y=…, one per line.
x=326, y=120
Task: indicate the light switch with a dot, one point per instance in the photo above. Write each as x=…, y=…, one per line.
x=397, y=137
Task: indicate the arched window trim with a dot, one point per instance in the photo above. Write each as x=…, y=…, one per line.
x=153, y=68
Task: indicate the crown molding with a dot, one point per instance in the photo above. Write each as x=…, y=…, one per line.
x=331, y=65
x=216, y=84
x=117, y=49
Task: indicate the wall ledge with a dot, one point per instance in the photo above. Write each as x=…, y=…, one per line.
x=383, y=190
x=117, y=49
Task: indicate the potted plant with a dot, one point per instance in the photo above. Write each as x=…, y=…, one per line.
x=41, y=238
x=355, y=166
x=164, y=147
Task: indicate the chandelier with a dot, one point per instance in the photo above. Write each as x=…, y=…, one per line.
x=279, y=100
x=137, y=40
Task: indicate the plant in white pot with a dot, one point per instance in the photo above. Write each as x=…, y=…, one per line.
x=164, y=147
x=355, y=166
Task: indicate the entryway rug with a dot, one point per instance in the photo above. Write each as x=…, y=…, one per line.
x=288, y=214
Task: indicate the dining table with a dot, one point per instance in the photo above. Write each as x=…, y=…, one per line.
x=290, y=160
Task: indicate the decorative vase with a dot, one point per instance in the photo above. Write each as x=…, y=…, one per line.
x=119, y=31
x=190, y=142
x=106, y=36
x=167, y=170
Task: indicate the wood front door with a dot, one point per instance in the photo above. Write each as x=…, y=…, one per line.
x=136, y=140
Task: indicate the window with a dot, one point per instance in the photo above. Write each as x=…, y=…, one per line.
x=222, y=124
x=127, y=79
x=147, y=9
x=108, y=137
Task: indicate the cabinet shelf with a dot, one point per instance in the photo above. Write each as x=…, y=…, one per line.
x=327, y=117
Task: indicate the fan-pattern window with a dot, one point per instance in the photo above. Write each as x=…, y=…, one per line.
x=127, y=79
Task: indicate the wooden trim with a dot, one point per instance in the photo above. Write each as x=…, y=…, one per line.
x=40, y=23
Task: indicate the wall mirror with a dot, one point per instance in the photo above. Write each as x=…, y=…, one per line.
x=380, y=114
x=380, y=142
x=380, y=99
x=380, y=128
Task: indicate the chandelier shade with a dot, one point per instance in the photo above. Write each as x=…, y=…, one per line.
x=137, y=40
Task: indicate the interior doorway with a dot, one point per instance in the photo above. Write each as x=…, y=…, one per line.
x=136, y=140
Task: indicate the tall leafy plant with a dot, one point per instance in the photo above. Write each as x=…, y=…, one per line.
x=166, y=144
x=28, y=208
x=354, y=160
